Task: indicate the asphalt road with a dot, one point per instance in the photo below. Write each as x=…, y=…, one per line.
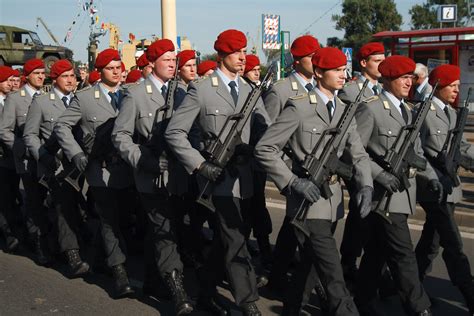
x=27, y=289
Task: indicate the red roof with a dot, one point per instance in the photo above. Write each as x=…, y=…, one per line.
x=431, y=32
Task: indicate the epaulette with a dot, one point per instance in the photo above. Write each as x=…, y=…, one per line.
x=298, y=96
x=371, y=99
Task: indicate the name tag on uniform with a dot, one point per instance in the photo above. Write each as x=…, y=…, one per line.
x=386, y=106
x=214, y=81
x=97, y=94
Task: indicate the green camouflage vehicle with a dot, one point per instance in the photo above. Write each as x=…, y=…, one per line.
x=19, y=45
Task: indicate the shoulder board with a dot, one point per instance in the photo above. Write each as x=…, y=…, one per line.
x=52, y=96
x=371, y=99
x=148, y=88
x=214, y=81
x=299, y=96
x=22, y=92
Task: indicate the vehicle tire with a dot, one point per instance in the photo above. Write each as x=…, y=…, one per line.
x=49, y=61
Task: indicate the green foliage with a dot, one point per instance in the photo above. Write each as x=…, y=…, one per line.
x=424, y=16
x=362, y=18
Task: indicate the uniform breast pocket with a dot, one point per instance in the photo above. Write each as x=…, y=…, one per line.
x=215, y=119
x=311, y=135
x=145, y=121
x=93, y=122
x=21, y=118
x=48, y=121
x=437, y=136
x=387, y=136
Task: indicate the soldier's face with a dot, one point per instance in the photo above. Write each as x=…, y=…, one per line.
x=16, y=81
x=36, y=78
x=254, y=74
x=305, y=66
x=6, y=86
x=399, y=87
x=331, y=79
x=188, y=71
x=235, y=61
x=371, y=65
x=66, y=82
x=164, y=66
x=112, y=73
x=449, y=93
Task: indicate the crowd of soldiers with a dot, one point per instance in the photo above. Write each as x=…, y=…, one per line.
x=136, y=148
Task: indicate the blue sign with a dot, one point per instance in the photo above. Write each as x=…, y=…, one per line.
x=348, y=52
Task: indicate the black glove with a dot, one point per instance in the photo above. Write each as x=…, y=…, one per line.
x=364, y=200
x=388, y=181
x=211, y=172
x=437, y=188
x=305, y=188
x=242, y=154
x=80, y=161
x=49, y=161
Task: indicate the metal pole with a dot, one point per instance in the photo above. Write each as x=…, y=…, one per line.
x=282, y=53
x=168, y=20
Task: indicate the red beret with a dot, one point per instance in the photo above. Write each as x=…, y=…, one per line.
x=184, y=56
x=105, y=57
x=304, y=45
x=16, y=73
x=396, y=66
x=122, y=66
x=329, y=58
x=59, y=67
x=142, y=61
x=446, y=74
x=94, y=76
x=5, y=73
x=31, y=65
x=158, y=48
x=133, y=76
x=372, y=48
x=205, y=66
x=251, y=61
x=230, y=41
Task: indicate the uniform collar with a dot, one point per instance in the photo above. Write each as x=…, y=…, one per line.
x=31, y=91
x=61, y=95
x=227, y=80
x=303, y=81
x=394, y=100
x=158, y=84
x=439, y=103
x=324, y=97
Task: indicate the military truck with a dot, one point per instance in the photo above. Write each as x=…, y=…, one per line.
x=17, y=45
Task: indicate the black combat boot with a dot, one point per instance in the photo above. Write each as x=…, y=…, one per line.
x=122, y=285
x=211, y=305
x=250, y=309
x=182, y=305
x=77, y=267
x=11, y=241
x=265, y=251
x=40, y=256
x=467, y=291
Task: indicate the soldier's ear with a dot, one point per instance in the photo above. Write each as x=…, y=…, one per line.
x=363, y=63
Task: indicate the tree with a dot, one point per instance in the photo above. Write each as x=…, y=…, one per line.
x=362, y=18
x=424, y=16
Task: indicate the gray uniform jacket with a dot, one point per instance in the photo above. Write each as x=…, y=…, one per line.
x=90, y=109
x=433, y=136
x=135, y=120
x=209, y=103
x=379, y=123
x=11, y=128
x=349, y=93
x=301, y=125
x=6, y=161
x=42, y=116
x=279, y=93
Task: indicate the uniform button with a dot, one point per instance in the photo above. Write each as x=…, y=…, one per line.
x=150, y=114
x=52, y=119
x=94, y=118
x=314, y=130
x=438, y=131
x=217, y=111
x=390, y=132
x=24, y=114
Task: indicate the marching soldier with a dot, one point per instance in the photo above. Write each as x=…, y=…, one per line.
x=252, y=68
x=379, y=122
x=144, y=65
x=299, y=82
x=42, y=116
x=9, y=183
x=370, y=56
x=187, y=65
x=440, y=227
x=140, y=112
x=94, y=109
x=205, y=68
x=15, y=80
x=301, y=124
x=11, y=134
x=209, y=102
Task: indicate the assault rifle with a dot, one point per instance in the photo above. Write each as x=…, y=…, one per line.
x=95, y=146
x=220, y=153
x=156, y=142
x=320, y=169
x=401, y=156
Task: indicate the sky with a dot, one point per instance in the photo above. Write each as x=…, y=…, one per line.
x=199, y=20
